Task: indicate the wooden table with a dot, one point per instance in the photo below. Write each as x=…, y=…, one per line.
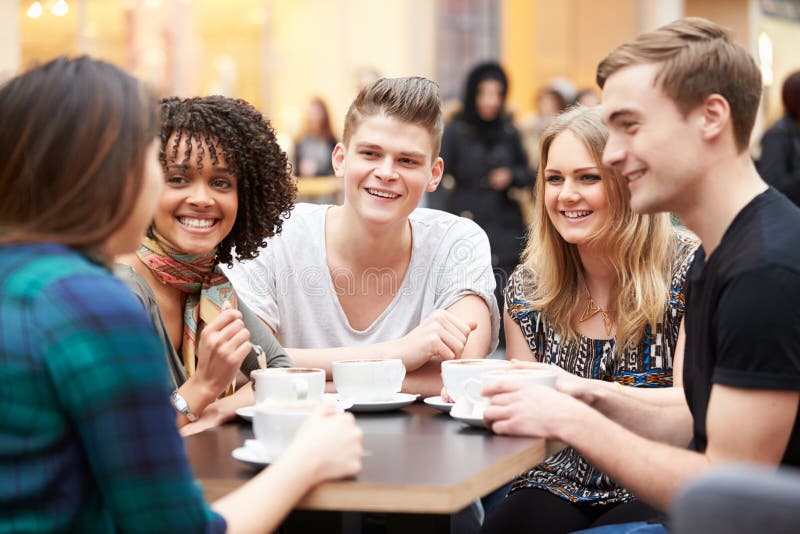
x=418, y=461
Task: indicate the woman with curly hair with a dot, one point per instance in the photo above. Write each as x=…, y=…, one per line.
x=228, y=189
x=88, y=441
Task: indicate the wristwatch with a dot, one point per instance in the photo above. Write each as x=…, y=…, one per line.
x=180, y=405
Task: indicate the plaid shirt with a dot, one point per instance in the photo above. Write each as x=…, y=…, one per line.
x=88, y=441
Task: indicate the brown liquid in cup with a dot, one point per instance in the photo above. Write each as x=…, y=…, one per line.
x=521, y=372
x=359, y=361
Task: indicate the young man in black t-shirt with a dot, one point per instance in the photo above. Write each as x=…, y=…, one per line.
x=680, y=103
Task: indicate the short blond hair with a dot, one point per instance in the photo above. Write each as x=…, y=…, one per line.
x=414, y=100
x=697, y=59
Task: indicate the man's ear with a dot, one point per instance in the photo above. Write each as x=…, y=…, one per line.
x=337, y=159
x=716, y=117
x=437, y=171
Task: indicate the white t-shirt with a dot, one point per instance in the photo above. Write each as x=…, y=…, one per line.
x=290, y=287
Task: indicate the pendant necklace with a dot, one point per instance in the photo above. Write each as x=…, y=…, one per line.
x=593, y=309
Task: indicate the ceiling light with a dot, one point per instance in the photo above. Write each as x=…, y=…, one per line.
x=35, y=11
x=60, y=8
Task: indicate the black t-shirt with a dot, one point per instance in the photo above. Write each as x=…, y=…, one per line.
x=743, y=311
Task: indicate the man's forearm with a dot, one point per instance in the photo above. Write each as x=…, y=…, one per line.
x=651, y=470
x=668, y=396
x=660, y=414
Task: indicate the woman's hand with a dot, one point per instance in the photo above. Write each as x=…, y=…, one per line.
x=445, y=396
x=329, y=440
x=221, y=410
x=212, y=416
x=224, y=344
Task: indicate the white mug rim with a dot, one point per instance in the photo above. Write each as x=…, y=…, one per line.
x=287, y=370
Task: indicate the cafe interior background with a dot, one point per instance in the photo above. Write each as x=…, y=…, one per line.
x=278, y=54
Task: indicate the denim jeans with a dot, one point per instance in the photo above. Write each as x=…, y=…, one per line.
x=638, y=527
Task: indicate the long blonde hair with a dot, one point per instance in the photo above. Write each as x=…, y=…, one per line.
x=641, y=248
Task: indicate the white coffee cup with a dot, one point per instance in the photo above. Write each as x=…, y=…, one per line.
x=456, y=372
x=275, y=424
x=288, y=384
x=368, y=380
x=475, y=403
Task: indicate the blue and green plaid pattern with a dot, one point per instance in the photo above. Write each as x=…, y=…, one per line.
x=88, y=441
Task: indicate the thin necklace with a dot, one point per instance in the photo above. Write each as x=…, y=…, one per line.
x=593, y=309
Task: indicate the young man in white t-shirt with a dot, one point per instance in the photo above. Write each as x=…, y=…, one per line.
x=376, y=277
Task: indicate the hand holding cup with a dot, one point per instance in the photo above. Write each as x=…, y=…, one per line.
x=331, y=442
x=478, y=392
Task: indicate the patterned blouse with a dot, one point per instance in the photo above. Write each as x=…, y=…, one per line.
x=568, y=474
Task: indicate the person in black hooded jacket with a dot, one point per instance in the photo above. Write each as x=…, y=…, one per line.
x=780, y=147
x=483, y=154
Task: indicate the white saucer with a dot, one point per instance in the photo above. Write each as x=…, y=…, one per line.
x=334, y=400
x=467, y=418
x=252, y=453
x=247, y=412
x=400, y=400
x=438, y=403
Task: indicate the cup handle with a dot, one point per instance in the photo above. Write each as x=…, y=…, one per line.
x=301, y=389
x=395, y=374
x=401, y=372
x=472, y=391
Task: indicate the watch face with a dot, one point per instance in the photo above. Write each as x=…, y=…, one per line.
x=180, y=405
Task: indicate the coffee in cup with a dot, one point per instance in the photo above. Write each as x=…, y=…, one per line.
x=368, y=380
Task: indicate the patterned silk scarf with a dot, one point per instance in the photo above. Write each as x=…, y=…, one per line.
x=206, y=289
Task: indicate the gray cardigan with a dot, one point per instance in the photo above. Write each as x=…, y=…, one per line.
x=259, y=333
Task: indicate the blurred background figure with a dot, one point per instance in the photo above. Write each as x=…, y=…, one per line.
x=780, y=146
x=484, y=157
x=366, y=76
x=549, y=102
x=451, y=107
x=313, y=149
x=588, y=96
x=565, y=88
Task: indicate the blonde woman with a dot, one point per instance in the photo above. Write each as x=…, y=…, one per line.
x=600, y=295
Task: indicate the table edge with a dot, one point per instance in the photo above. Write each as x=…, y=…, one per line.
x=349, y=496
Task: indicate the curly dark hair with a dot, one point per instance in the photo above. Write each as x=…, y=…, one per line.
x=266, y=189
